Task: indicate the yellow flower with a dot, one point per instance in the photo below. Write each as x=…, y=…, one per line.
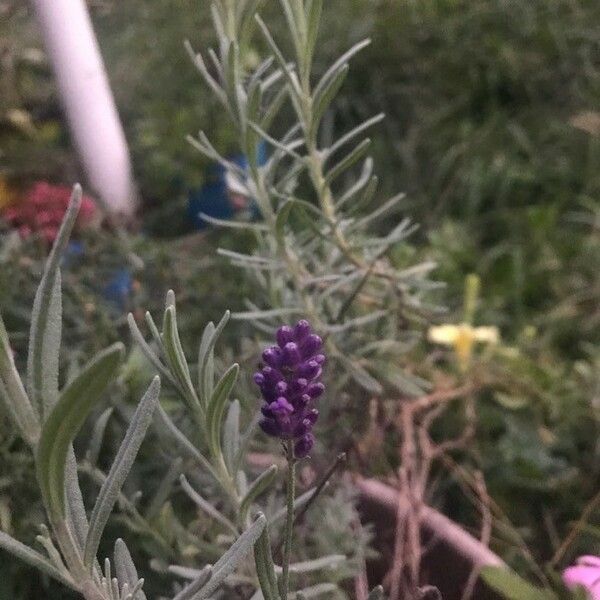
x=462, y=338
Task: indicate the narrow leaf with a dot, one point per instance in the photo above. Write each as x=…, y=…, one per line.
x=120, y=469
x=206, y=506
x=34, y=559
x=259, y=485
x=227, y=564
x=126, y=571
x=64, y=421
x=265, y=567
x=217, y=405
x=44, y=336
x=231, y=437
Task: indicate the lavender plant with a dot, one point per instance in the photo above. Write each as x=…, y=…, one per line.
x=317, y=253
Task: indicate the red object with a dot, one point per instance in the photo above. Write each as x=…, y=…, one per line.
x=42, y=208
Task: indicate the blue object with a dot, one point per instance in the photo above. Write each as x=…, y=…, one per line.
x=214, y=198
x=119, y=288
x=73, y=252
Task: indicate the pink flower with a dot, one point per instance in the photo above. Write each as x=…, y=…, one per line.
x=42, y=209
x=586, y=574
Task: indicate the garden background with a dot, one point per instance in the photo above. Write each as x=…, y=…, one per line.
x=493, y=133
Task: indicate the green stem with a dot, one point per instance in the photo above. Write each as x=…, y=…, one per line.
x=289, y=524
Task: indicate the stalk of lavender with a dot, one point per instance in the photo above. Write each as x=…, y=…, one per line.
x=289, y=381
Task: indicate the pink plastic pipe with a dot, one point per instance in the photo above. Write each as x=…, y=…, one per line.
x=88, y=101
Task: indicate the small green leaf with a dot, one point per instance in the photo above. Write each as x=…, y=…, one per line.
x=44, y=337
x=230, y=560
x=126, y=571
x=348, y=161
x=120, y=468
x=34, y=559
x=323, y=100
x=176, y=357
x=512, y=586
x=217, y=404
x=206, y=358
x=64, y=421
x=265, y=567
x=231, y=437
x=262, y=483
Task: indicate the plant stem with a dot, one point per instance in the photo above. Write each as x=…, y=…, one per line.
x=289, y=524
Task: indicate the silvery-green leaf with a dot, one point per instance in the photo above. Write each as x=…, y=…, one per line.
x=148, y=352
x=313, y=12
x=206, y=506
x=217, y=405
x=44, y=336
x=231, y=437
x=76, y=515
x=339, y=63
x=230, y=560
x=326, y=95
x=164, y=489
x=365, y=181
x=206, y=358
x=201, y=66
x=120, y=469
x=290, y=75
x=155, y=333
x=299, y=502
x=183, y=444
x=353, y=133
x=34, y=559
x=332, y=561
x=230, y=224
x=348, y=161
x=126, y=571
x=12, y=392
x=97, y=437
x=273, y=108
x=265, y=567
x=315, y=591
x=259, y=485
x=379, y=212
x=176, y=357
x=193, y=588
x=64, y=421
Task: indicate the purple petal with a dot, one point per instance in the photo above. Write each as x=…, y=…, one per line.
x=320, y=358
x=273, y=356
x=284, y=335
x=310, y=370
x=311, y=345
x=315, y=389
x=302, y=329
x=291, y=354
x=304, y=446
x=281, y=406
x=270, y=427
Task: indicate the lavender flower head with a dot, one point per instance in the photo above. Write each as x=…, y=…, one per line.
x=289, y=383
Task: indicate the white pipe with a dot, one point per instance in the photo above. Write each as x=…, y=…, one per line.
x=87, y=100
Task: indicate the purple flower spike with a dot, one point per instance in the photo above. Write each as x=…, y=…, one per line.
x=304, y=445
x=289, y=384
